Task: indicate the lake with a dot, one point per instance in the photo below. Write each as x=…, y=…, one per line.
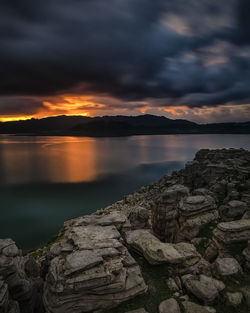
x=47, y=180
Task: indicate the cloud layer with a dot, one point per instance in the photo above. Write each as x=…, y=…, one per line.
x=128, y=54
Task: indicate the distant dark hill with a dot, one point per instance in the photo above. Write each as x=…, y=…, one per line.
x=133, y=125
x=57, y=123
x=118, y=126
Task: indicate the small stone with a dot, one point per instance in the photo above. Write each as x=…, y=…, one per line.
x=203, y=287
x=184, y=298
x=169, y=306
x=172, y=284
x=227, y=266
x=234, y=299
x=191, y=307
x=246, y=293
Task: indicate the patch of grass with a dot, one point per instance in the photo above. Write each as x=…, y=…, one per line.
x=206, y=231
x=155, y=277
x=234, y=284
x=202, y=246
x=41, y=251
x=221, y=197
x=236, y=251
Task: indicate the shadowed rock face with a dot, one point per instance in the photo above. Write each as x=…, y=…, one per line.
x=16, y=291
x=89, y=267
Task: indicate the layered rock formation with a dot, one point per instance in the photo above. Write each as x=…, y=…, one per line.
x=91, y=268
x=195, y=223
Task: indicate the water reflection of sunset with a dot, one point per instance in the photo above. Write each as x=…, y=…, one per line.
x=61, y=159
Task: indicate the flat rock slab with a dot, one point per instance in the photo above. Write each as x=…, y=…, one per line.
x=235, y=226
x=81, y=260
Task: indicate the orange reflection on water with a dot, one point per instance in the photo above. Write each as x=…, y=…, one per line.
x=79, y=162
x=61, y=159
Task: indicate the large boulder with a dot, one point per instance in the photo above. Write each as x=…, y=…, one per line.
x=157, y=252
x=96, y=273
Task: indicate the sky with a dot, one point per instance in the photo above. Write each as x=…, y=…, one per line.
x=177, y=58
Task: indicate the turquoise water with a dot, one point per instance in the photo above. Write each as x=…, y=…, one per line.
x=47, y=180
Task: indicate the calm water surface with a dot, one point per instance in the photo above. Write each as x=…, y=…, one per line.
x=47, y=180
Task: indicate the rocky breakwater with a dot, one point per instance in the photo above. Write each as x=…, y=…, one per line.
x=193, y=224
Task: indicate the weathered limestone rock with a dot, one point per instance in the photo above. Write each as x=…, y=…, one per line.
x=232, y=210
x=165, y=214
x=97, y=273
x=234, y=299
x=195, y=211
x=191, y=307
x=157, y=252
x=169, y=306
x=205, y=288
x=226, y=267
x=12, y=272
x=115, y=218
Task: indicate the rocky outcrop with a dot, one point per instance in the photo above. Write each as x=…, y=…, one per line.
x=91, y=268
x=165, y=213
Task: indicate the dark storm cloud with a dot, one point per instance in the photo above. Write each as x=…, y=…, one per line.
x=190, y=52
x=19, y=106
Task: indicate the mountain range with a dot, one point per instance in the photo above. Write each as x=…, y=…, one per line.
x=117, y=126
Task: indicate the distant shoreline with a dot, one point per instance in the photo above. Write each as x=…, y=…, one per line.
x=117, y=126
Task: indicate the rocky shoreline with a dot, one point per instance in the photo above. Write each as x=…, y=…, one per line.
x=179, y=245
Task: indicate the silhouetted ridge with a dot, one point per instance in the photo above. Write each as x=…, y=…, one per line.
x=118, y=126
